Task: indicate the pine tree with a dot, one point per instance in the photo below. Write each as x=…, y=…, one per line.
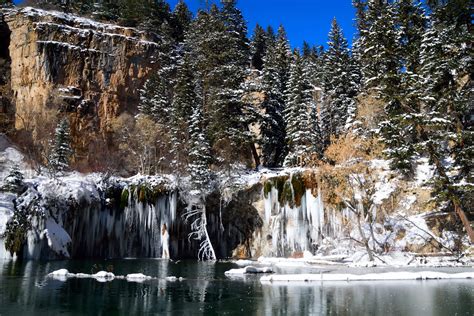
x=107, y=10
x=220, y=53
x=313, y=62
x=446, y=107
x=361, y=11
x=61, y=150
x=258, y=47
x=14, y=181
x=131, y=12
x=154, y=14
x=412, y=23
x=156, y=95
x=181, y=20
x=185, y=99
x=83, y=7
x=272, y=123
x=232, y=73
x=340, y=84
x=6, y=3
x=446, y=122
x=283, y=53
x=199, y=154
x=298, y=113
x=270, y=35
x=399, y=130
x=155, y=99
x=379, y=52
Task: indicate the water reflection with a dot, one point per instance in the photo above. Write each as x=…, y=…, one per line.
x=364, y=298
x=24, y=290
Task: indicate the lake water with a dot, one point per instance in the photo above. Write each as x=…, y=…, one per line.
x=25, y=290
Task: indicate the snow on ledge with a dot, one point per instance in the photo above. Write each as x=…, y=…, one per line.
x=388, y=276
x=249, y=270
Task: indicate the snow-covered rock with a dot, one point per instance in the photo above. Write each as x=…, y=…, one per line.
x=103, y=276
x=137, y=277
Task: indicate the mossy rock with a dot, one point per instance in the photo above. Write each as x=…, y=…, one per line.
x=286, y=195
x=124, y=198
x=279, y=183
x=143, y=193
x=276, y=182
x=311, y=181
x=267, y=188
x=157, y=191
x=15, y=235
x=299, y=188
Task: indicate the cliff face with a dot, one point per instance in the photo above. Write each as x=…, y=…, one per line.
x=91, y=70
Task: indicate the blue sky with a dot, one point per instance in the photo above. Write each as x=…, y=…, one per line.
x=308, y=20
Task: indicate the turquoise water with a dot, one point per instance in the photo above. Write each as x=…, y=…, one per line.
x=25, y=290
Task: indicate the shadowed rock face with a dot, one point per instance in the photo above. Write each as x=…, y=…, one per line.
x=6, y=109
x=91, y=70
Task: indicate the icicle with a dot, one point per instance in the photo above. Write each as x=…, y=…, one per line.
x=221, y=226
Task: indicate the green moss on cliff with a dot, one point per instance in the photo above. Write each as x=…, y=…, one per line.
x=299, y=188
x=124, y=198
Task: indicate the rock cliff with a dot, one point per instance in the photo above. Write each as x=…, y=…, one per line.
x=90, y=70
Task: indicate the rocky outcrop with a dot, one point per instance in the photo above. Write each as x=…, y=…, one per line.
x=91, y=70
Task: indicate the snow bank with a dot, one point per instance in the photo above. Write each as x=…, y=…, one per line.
x=249, y=270
x=388, y=276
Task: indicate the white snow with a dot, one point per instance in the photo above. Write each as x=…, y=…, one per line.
x=243, y=263
x=388, y=276
x=85, y=25
x=62, y=272
x=171, y=279
x=137, y=277
x=424, y=171
x=60, y=275
x=103, y=276
x=249, y=270
x=6, y=209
